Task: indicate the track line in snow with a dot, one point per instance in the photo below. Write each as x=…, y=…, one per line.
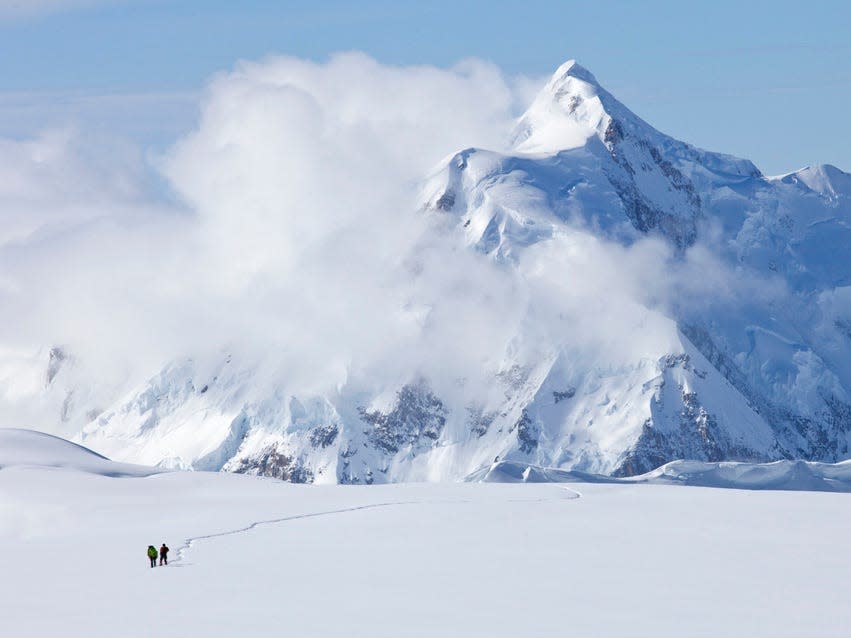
x=189, y=542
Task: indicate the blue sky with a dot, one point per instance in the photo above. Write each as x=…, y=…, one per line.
x=770, y=81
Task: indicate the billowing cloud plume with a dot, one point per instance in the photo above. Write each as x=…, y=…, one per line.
x=289, y=232
x=294, y=224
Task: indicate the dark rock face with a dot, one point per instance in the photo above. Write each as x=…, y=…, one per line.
x=446, y=201
x=650, y=451
x=822, y=437
x=274, y=463
x=679, y=181
x=563, y=395
x=345, y=474
x=695, y=419
x=479, y=422
x=324, y=435
x=645, y=215
x=634, y=155
x=55, y=360
x=416, y=420
x=527, y=433
x=696, y=437
x=614, y=133
x=703, y=341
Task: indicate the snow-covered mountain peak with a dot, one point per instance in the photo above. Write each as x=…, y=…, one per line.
x=571, y=70
x=566, y=112
x=572, y=108
x=824, y=179
x=592, y=147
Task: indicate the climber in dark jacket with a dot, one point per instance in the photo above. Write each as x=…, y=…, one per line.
x=164, y=554
x=152, y=554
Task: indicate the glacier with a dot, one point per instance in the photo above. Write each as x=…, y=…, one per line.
x=753, y=366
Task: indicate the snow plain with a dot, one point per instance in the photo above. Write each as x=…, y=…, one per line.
x=471, y=559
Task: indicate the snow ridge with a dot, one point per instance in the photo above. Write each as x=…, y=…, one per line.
x=28, y=448
x=779, y=475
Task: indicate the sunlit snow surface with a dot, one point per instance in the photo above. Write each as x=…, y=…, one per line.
x=411, y=559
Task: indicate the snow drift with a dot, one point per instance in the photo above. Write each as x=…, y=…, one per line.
x=779, y=475
x=27, y=448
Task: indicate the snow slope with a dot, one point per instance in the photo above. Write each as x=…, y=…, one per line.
x=26, y=448
x=693, y=309
x=414, y=559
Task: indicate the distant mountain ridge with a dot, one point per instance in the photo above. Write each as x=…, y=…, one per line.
x=755, y=380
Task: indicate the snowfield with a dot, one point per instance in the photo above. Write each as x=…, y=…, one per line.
x=467, y=559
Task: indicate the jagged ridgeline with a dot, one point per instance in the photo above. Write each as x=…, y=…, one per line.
x=755, y=378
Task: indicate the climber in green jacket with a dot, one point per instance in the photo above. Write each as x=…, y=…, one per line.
x=152, y=554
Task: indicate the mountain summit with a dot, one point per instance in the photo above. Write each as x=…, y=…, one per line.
x=584, y=134
x=573, y=107
x=568, y=110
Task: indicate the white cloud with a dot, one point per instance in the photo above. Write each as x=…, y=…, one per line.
x=300, y=235
x=296, y=238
